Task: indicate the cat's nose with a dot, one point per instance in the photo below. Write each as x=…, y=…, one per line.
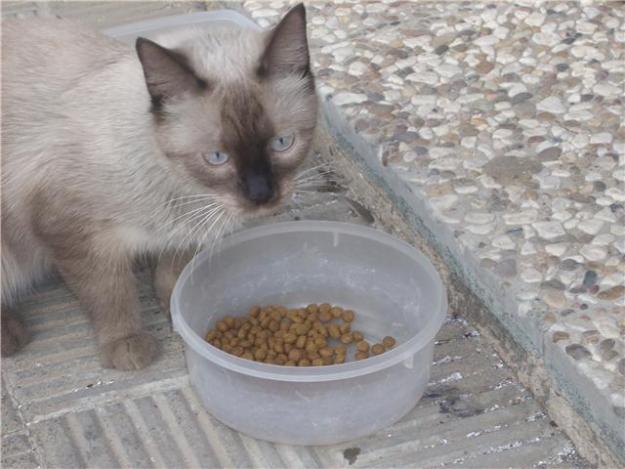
x=258, y=187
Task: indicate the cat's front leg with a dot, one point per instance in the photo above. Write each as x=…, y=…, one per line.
x=105, y=286
x=166, y=273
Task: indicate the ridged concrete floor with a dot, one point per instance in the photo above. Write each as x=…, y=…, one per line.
x=61, y=410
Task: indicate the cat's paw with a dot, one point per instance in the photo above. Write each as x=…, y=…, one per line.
x=130, y=353
x=14, y=334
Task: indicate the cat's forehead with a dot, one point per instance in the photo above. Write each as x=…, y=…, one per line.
x=221, y=54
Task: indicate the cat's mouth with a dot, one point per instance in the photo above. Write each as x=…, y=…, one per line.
x=267, y=209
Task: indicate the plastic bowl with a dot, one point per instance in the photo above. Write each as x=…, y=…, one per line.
x=393, y=289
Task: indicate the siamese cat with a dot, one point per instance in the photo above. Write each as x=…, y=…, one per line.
x=110, y=153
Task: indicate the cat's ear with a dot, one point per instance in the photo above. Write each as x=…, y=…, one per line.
x=287, y=48
x=167, y=72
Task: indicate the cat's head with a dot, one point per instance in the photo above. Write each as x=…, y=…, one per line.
x=234, y=110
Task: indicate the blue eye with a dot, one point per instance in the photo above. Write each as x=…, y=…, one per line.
x=216, y=158
x=282, y=143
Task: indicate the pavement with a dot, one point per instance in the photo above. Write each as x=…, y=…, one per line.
x=60, y=409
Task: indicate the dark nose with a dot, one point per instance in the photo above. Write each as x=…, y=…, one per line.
x=258, y=187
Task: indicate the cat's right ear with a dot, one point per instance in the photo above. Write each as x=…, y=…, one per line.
x=287, y=49
x=167, y=72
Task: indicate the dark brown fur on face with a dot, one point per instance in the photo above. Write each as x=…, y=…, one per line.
x=246, y=133
x=100, y=146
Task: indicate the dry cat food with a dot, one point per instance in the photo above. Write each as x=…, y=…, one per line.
x=316, y=335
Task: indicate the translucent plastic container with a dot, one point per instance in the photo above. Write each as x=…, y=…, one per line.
x=153, y=27
x=393, y=289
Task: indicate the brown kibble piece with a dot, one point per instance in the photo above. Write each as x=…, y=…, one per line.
x=290, y=363
x=357, y=336
x=324, y=307
x=347, y=338
x=295, y=355
x=302, y=329
x=326, y=352
x=325, y=316
x=334, y=331
x=339, y=359
x=300, y=342
x=345, y=328
x=389, y=342
x=254, y=311
x=336, y=312
x=304, y=362
x=362, y=346
x=320, y=342
x=317, y=362
x=289, y=338
x=377, y=349
x=361, y=355
x=348, y=315
x=312, y=308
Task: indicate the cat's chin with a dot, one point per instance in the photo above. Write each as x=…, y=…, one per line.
x=263, y=212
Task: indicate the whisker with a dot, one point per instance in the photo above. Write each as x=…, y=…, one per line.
x=196, y=201
x=190, y=212
x=312, y=182
x=193, y=196
x=202, y=217
x=225, y=225
x=313, y=175
x=314, y=168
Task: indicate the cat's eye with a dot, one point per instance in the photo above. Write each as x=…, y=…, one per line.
x=216, y=158
x=282, y=143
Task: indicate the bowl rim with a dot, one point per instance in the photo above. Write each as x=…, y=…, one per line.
x=403, y=352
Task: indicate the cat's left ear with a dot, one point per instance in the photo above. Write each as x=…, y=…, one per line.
x=167, y=72
x=287, y=48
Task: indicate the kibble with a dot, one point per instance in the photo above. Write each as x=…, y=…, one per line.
x=362, y=346
x=333, y=331
x=316, y=335
x=388, y=342
x=348, y=315
x=347, y=339
x=377, y=349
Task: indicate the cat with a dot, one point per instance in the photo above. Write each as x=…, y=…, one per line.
x=110, y=153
